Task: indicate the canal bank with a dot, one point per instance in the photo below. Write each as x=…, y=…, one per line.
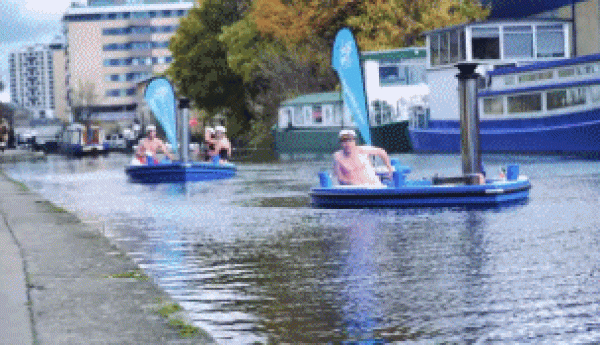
x=66, y=283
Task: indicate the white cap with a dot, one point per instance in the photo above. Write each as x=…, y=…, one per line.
x=210, y=129
x=150, y=128
x=347, y=133
x=220, y=129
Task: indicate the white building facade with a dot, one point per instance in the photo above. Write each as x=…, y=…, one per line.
x=110, y=48
x=32, y=81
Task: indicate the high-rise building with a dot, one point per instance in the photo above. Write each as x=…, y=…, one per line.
x=32, y=79
x=110, y=48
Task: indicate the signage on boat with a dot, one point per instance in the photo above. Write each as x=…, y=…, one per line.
x=160, y=97
x=346, y=62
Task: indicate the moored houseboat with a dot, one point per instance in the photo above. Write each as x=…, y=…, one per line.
x=395, y=86
x=533, y=96
x=308, y=125
x=79, y=140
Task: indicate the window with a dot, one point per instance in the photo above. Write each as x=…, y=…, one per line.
x=595, y=93
x=550, y=41
x=113, y=93
x=518, y=42
x=434, y=42
x=416, y=74
x=392, y=75
x=486, y=43
x=140, y=15
x=298, y=118
x=525, y=103
x=382, y=112
x=444, y=51
x=565, y=98
x=317, y=114
x=536, y=76
x=493, y=106
x=454, y=47
x=307, y=114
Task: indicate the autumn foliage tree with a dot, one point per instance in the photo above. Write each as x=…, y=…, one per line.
x=279, y=49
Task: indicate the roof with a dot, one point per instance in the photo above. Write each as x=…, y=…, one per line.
x=496, y=21
x=395, y=54
x=314, y=98
x=502, y=9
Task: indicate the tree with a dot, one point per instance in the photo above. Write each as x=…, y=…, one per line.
x=200, y=69
x=81, y=100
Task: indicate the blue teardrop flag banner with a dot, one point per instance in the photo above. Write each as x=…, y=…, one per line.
x=160, y=97
x=345, y=61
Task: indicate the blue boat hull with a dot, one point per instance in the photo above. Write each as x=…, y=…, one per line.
x=423, y=194
x=568, y=134
x=178, y=172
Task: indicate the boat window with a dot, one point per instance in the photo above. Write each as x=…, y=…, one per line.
x=518, y=41
x=298, y=117
x=525, y=103
x=328, y=115
x=557, y=99
x=454, y=47
x=382, y=112
x=509, y=80
x=595, y=93
x=493, y=106
x=307, y=113
x=444, y=48
x=536, y=76
x=463, y=45
x=317, y=114
x=550, y=41
x=417, y=74
x=392, y=75
x=589, y=69
x=566, y=72
x=434, y=42
x=486, y=43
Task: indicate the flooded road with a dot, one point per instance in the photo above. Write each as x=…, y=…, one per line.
x=251, y=261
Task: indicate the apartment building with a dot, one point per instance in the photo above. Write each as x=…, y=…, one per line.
x=111, y=46
x=32, y=79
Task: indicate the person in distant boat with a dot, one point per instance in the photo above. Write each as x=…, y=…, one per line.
x=209, y=137
x=222, y=146
x=352, y=164
x=149, y=147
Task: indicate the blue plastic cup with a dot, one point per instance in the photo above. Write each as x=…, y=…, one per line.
x=325, y=179
x=216, y=159
x=512, y=172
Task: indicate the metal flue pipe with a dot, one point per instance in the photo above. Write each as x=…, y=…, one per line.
x=184, y=143
x=470, y=147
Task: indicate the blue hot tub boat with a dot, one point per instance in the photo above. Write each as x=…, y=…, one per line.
x=469, y=189
x=176, y=172
x=437, y=192
x=160, y=96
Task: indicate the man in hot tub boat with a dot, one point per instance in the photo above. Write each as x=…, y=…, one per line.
x=149, y=147
x=352, y=165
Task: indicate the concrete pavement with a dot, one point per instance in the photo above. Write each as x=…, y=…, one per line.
x=59, y=285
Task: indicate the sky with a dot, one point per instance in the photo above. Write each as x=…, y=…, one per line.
x=25, y=22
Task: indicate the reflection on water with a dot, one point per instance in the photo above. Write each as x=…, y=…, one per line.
x=251, y=261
